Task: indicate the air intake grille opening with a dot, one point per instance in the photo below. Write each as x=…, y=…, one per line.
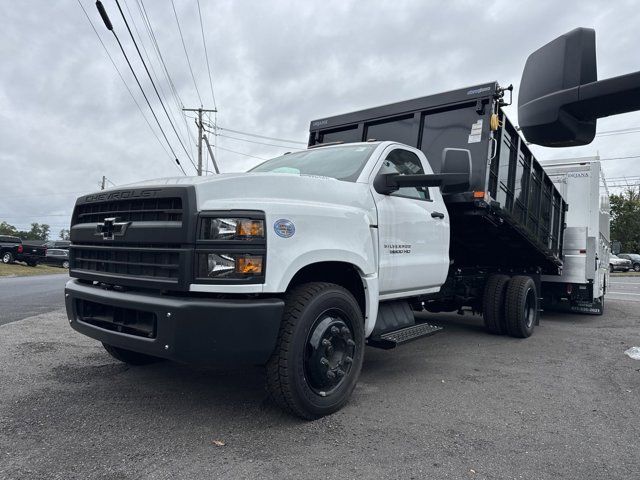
x=138, y=262
x=124, y=320
x=133, y=210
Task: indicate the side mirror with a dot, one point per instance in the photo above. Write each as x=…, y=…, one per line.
x=388, y=183
x=560, y=97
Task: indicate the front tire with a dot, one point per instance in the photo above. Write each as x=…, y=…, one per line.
x=7, y=258
x=319, y=352
x=129, y=357
x=521, y=306
x=636, y=267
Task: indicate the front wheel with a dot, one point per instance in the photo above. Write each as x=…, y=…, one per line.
x=636, y=267
x=319, y=352
x=7, y=258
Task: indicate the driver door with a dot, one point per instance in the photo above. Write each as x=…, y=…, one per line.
x=413, y=230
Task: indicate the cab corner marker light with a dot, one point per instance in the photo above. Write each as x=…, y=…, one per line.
x=478, y=194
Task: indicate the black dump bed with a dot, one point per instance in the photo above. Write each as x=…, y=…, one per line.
x=512, y=216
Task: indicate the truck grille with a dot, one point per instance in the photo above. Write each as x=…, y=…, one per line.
x=159, y=263
x=152, y=247
x=134, y=210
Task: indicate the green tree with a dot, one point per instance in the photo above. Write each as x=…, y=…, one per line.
x=64, y=234
x=625, y=219
x=6, y=229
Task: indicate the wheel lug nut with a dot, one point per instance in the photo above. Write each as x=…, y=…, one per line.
x=324, y=361
x=347, y=360
x=326, y=342
x=331, y=375
x=351, y=343
x=335, y=330
x=344, y=331
x=340, y=372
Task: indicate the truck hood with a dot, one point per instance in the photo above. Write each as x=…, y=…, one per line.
x=259, y=190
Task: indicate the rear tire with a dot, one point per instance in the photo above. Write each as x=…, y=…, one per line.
x=493, y=309
x=7, y=258
x=319, y=353
x=521, y=307
x=129, y=357
x=636, y=267
x=32, y=264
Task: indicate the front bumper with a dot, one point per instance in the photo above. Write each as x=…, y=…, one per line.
x=184, y=329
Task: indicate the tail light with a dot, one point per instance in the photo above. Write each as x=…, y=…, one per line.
x=569, y=289
x=20, y=249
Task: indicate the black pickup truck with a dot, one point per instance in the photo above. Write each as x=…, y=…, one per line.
x=13, y=249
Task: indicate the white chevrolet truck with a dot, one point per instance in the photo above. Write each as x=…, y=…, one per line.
x=433, y=204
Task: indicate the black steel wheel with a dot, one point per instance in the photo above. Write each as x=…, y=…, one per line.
x=319, y=353
x=7, y=257
x=128, y=356
x=493, y=304
x=521, y=307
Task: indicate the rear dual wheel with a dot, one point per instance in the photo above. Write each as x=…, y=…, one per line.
x=510, y=305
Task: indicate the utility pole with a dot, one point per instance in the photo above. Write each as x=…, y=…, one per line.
x=200, y=128
x=104, y=181
x=213, y=159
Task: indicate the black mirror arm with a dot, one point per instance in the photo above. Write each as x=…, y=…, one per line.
x=611, y=96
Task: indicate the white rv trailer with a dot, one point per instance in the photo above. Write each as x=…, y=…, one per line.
x=586, y=248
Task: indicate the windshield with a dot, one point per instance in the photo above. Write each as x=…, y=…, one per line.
x=343, y=162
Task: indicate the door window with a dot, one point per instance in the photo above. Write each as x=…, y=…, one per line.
x=405, y=162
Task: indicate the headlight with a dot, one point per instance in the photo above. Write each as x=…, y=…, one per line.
x=230, y=265
x=231, y=229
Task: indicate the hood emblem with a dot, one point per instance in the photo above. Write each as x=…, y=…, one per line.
x=111, y=228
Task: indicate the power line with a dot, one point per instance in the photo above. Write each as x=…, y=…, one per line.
x=261, y=136
x=254, y=141
x=206, y=55
x=622, y=131
x=619, y=158
x=195, y=84
x=240, y=153
x=123, y=80
x=146, y=54
x=107, y=22
x=176, y=96
x=144, y=64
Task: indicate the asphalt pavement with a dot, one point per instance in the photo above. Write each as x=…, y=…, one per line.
x=461, y=404
x=22, y=297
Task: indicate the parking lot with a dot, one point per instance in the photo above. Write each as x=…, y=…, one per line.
x=462, y=404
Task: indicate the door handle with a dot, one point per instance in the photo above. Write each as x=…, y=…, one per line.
x=437, y=215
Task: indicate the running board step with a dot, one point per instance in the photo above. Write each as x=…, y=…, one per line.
x=397, y=337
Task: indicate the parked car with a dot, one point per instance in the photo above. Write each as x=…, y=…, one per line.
x=617, y=264
x=64, y=244
x=13, y=249
x=58, y=257
x=635, y=259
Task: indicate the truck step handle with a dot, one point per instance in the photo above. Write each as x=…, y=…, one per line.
x=392, y=339
x=437, y=215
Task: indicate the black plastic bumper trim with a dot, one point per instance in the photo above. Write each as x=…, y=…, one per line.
x=189, y=330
